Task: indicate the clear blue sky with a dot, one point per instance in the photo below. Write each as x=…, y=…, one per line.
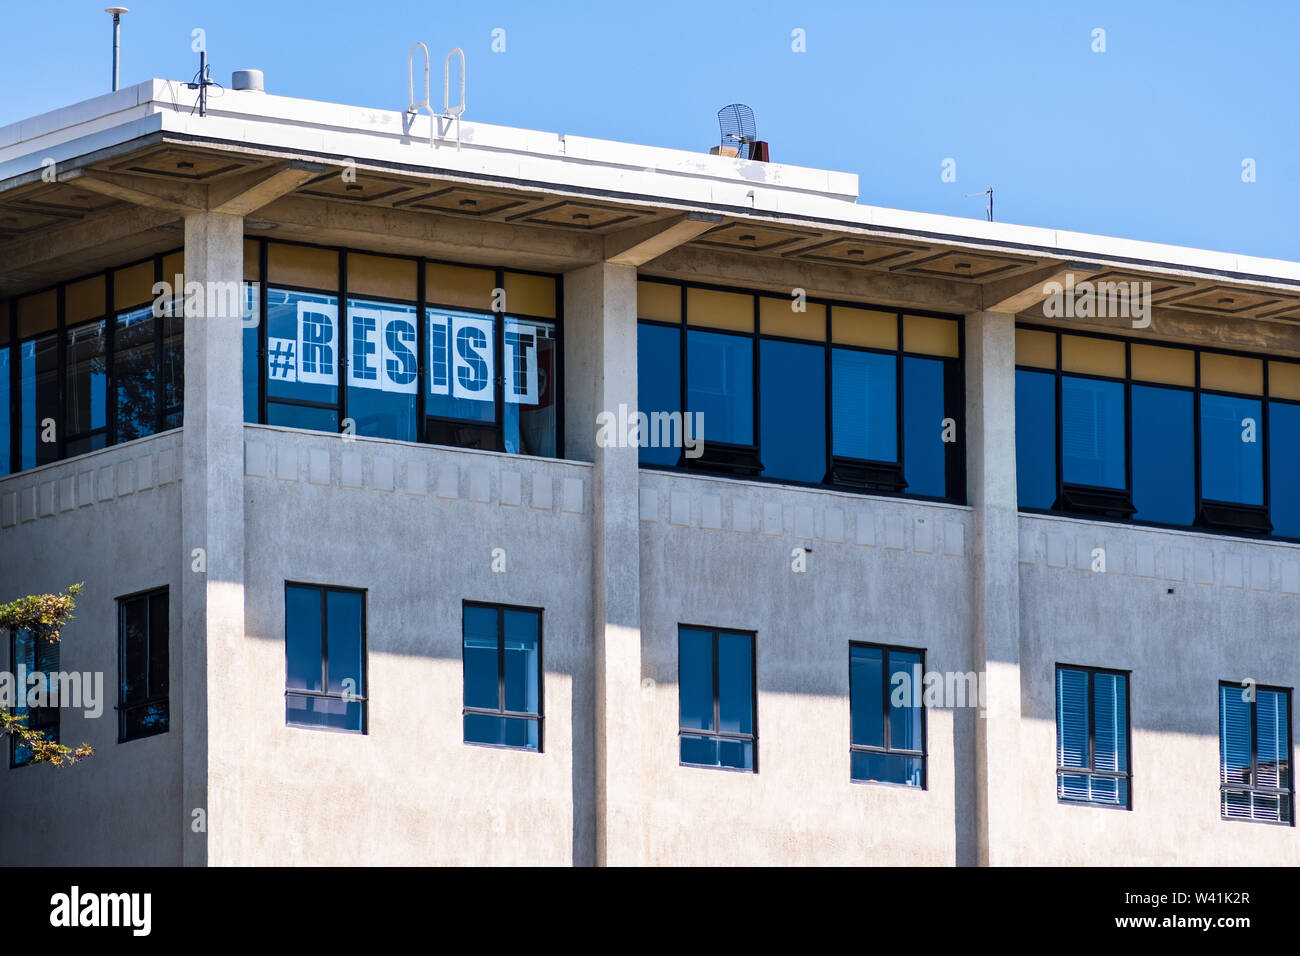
x=1145, y=140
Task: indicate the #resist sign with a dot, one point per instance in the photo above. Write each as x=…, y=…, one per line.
x=382, y=348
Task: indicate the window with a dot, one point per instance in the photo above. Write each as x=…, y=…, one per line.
x=90, y=363
x=142, y=636
x=1092, y=736
x=450, y=355
x=887, y=742
x=38, y=658
x=325, y=651
x=1255, y=781
x=803, y=392
x=1180, y=437
x=503, y=675
x=716, y=695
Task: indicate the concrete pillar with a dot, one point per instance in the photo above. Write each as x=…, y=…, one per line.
x=600, y=374
x=991, y=482
x=212, y=519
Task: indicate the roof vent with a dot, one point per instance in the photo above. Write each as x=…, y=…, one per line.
x=248, y=80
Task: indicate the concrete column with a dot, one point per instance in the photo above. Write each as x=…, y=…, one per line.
x=212, y=518
x=600, y=374
x=991, y=482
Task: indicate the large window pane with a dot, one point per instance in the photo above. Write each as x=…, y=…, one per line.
x=343, y=642
x=382, y=377
x=302, y=346
x=530, y=381
x=87, y=377
x=1092, y=424
x=924, y=412
x=793, y=411
x=5, y=463
x=39, y=394
x=40, y=657
x=1284, y=468
x=1164, y=455
x=135, y=373
x=173, y=370
x=1035, y=439
x=521, y=661
x=866, y=685
x=864, y=405
x=1232, y=458
x=302, y=637
x=735, y=683
x=481, y=676
x=904, y=715
x=695, y=677
x=659, y=381
x=720, y=385
x=462, y=357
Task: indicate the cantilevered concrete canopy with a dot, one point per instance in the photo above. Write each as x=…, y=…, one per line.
x=112, y=178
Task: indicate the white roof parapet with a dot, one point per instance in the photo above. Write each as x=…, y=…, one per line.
x=313, y=130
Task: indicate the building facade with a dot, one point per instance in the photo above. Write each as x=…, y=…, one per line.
x=512, y=498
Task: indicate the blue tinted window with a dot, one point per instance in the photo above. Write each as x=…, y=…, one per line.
x=135, y=373
x=462, y=360
x=1284, y=467
x=1092, y=736
x=793, y=411
x=302, y=416
x=249, y=355
x=529, y=382
x=382, y=378
x=887, y=739
x=40, y=657
x=1092, y=432
x=302, y=346
x=720, y=385
x=658, y=389
x=1232, y=457
x=1255, y=776
x=924, y=413
x=503, y=673
x=716, y=705
x=864, y=405
x=1164, y=455
x=39, y=397
x=324, y=652
x=5, y=463
x=143, y=644
x=87, y=378
x=1035, y=439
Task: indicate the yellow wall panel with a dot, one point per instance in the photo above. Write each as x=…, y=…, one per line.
x=1152, y=363
x=720, y=310
x=658, y=300
x=1036, y=348
x=133, y=286
x=462, y=286
x=865, y=327
x=930, y=336
x=303, y=266
x=38, y=313
x=84, y=300
x=777, y=317
x=530, y=295
x=1284, y=380
x=1232, y=373
x=382, y=276
x=1091, y=356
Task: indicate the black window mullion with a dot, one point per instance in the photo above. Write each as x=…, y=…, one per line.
x=1128, y=418
x=341, y=360
x=898, y=398
x=263, y=323
x=757, y=387
x=159, y=392
x=422, y=350
x=15, y=388
x=1196, y=432
x=498, y=353
x=110, y=384
x=61, y=372
x=1265, y=443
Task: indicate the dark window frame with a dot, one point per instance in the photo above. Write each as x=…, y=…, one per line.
x=1224, y=788
x=954, y=374
x=49, y=717
x=501, y=711
x=123, y=707
x=1196, y=390
x=422, y=305
x=886, y=672
x=715, y=733
x=363, y=698
x=1091, y=770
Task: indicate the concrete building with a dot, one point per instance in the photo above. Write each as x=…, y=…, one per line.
x=390, y=420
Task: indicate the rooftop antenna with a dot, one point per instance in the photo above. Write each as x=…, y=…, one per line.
x=117, y=39
x=202, y=80
x=736, y=123
x=986, y=192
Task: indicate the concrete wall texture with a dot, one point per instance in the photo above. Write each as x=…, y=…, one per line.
x=618, y=557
